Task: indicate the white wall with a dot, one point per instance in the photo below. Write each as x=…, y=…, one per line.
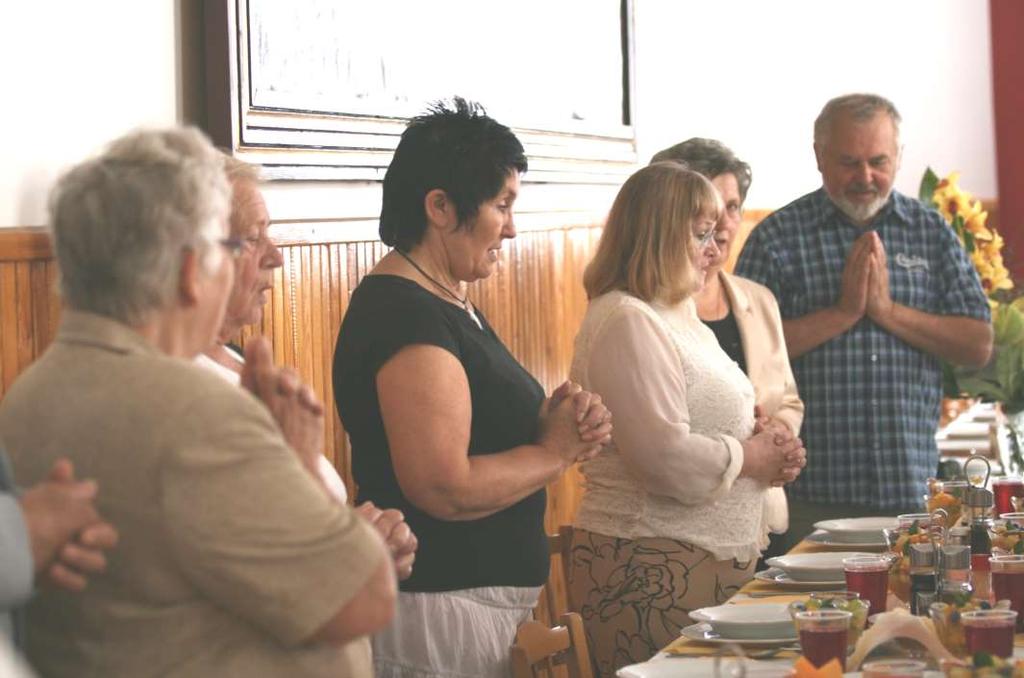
x=752, y=73
x=755, y=73
x=75, y=75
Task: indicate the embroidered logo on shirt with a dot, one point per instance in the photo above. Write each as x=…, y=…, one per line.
x=911, y=263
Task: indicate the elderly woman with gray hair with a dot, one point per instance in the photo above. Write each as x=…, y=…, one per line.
x=232, y=560
x=743, y=314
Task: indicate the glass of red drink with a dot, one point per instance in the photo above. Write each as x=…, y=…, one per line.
x=869, y=576
x=823, y=635
x=1008, y=581
x=989, y=631
x=1004, y=490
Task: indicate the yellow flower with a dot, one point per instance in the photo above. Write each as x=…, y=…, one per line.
x=988, y=244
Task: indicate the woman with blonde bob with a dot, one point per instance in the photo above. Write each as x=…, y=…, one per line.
x=673, y=517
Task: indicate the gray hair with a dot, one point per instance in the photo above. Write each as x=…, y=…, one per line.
x=120, y=221
x=860, y=107
x=240, y=170
x=710, y=158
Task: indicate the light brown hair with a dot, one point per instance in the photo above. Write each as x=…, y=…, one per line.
x=647, y=246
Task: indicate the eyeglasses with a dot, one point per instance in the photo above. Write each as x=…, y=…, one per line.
x=704, y=240
x=234, y=246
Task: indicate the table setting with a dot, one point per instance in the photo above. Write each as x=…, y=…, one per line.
x=841, y=602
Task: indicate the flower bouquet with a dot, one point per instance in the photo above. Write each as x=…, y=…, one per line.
x=1002, y=380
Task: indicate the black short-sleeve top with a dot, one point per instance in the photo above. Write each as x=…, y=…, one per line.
x=387, y=313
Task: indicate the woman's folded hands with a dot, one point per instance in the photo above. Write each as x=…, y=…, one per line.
x=574, y=423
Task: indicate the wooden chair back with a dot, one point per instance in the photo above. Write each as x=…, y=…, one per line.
x=560, y=548
x=539, y=650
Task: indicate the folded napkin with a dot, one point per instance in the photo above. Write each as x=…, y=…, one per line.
x=760, y=600
x=684, y=647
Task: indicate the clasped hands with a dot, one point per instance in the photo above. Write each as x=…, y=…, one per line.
x=300, y=416
x=67, y=535
x=575, y=423
x=773, y=454
x=865, y=283
x=293, y=404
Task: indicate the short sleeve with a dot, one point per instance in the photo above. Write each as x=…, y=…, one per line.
x=253, y=531
x=393, y=316
x=963, y=294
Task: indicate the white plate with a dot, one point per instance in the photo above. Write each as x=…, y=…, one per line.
x=835, y=541
x=857, y=530
x=705, y=634
x=814, y=566
x=774, y=575
x=702, y=667
x=747, y=622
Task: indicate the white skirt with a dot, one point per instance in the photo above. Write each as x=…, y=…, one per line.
x=454, y=634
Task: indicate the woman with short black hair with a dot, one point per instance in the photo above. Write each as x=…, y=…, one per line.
x=446, y=425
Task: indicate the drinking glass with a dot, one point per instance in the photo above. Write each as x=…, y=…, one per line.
x=869, y=576
x=1008, y=582
x=823, y=635
x=989, y=631
x=1004, y=490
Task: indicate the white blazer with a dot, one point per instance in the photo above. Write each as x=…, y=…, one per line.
x=764, y=348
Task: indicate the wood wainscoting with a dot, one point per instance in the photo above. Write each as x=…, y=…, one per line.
x=535, y=302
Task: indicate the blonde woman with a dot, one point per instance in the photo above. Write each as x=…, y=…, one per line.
x=673, y=518
x=742, y=313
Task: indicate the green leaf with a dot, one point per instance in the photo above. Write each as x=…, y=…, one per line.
x=1009, y=363
x=929, y=182
x=977, y=387
x=1008, y=324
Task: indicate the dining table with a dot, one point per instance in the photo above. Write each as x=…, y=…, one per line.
x=684, y=657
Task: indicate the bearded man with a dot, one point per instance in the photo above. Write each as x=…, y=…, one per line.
x=875, y=292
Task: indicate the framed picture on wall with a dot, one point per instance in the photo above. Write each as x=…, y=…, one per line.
x=322, y=89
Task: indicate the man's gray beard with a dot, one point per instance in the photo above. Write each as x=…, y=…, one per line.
x=860, y=213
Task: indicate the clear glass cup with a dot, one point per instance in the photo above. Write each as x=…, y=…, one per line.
x=1004, y=490
x=893, y=668
x=948, y=624
x=842, y=600
x=1008, y=582
x=869, y=576
x=1007, y=534
x=989, y=631
x=823, y=635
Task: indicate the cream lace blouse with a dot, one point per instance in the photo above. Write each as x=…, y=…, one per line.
x=681, y=408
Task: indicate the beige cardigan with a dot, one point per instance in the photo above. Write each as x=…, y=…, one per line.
x=764, y=348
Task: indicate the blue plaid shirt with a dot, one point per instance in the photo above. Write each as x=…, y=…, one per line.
x=872, y=400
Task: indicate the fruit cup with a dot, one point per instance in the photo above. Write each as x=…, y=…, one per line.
x=847, y=601
x=948, y=622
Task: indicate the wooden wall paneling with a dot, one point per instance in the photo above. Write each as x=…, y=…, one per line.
x=26, y=317
x=535, y=302
x=9, y=328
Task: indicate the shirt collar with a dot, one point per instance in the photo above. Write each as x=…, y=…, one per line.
x=80, y=327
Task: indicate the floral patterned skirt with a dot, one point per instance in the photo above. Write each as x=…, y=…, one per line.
x=635, y=595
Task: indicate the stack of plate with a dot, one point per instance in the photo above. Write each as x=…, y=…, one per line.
x=808, y=570
x=861, y=533
x=754, y=624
